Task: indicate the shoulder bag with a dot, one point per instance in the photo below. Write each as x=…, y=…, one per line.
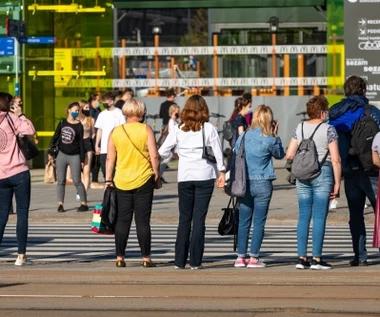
x=158, y=182
x=208, y=153
x=236, y=186
x=27, y=147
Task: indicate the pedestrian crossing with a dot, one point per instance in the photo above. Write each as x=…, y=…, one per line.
x=74, y=242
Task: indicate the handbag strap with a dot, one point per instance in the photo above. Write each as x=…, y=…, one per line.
x=11, y=125
x=134, y=144
x=203, y=134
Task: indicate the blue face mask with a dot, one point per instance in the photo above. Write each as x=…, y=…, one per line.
x=249, y=111
x=75, y=115
x=326, y=120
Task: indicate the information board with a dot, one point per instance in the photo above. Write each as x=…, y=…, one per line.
x=362, y=43
x=7, y=46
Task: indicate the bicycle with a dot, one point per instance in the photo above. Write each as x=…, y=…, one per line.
x=304, y=114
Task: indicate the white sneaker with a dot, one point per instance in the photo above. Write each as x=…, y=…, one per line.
x=22, y=262
x=200, y=267
x=77, y=197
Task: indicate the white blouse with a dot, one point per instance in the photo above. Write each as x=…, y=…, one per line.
x=191, y=165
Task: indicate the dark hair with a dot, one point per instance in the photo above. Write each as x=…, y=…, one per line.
x=194, y=113
x=240, y=103
x=170, y=92
x=247, y=96
x=108, y=95
x=355, y=85
x=5, y=100
x=315, y=106
x=128, y=91
x=92, y=98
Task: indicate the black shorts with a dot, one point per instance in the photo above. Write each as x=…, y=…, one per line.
x=88, y=145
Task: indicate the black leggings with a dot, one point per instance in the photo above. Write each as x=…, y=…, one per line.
x=138, y=200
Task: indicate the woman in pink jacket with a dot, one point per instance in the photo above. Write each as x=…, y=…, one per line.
x=14, y=172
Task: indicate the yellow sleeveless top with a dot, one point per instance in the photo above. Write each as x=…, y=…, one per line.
x=132, y=168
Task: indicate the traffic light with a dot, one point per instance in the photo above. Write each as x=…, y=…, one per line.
x=15, y=28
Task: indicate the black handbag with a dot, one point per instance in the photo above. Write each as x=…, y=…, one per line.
x=26, y=146
x=229, y=223
x=53, y=150
x=208, y=153
x=109, y=208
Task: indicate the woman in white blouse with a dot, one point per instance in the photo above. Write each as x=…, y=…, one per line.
x=196, y=178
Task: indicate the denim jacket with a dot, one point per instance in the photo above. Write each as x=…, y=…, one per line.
x=259, y=150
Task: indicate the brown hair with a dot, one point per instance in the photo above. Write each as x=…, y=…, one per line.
x=354, y=85
x=315, y=106
x=263, y=117
x=170, y=92
x=240, y=103
x=108, y=95
x=5, y=100
x=194, y=113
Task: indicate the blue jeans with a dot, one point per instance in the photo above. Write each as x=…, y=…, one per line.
x=358, y=186
x=313, y=200
x=19, y=185
x=255, y=203
x=193, y=199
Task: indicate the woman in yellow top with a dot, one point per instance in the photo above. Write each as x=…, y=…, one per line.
x=133, y=147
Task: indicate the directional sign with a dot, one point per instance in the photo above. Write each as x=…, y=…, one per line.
x=38, y=40
x=7, y=46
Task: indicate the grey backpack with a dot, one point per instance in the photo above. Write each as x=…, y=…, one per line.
x=236, y=186
x=305, y=163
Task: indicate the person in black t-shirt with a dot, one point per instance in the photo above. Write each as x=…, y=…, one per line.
x=239, y=124
x=69, y=138
x=125, y=95
x=164, y=108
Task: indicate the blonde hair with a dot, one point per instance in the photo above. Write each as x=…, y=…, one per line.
x=88, y=122
x=173, y=108
x=134, y=108
x=263, y=117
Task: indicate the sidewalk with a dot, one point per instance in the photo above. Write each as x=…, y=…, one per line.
x=283, y=208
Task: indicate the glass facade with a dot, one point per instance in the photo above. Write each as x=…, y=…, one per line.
x=82, y=62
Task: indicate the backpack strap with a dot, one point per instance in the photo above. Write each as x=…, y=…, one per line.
x=367, y=110
x=311, y=137
x=302, y=131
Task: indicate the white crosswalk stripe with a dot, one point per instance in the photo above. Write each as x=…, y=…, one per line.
x=69, y=242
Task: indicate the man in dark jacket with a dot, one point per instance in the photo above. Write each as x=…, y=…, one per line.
x=358, y=183
x=164, y=108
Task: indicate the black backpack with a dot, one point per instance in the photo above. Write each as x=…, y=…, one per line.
x=362, y=135
x=228, y=130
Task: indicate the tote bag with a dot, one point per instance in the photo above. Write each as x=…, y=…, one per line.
x=97, y=225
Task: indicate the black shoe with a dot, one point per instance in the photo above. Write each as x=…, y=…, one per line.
x=163, y=181
x=320, y=265
x=302, y=264
x=357, y=262
x=60, y=208
x=82, y=208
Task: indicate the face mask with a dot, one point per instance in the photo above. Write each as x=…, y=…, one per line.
x=249, y=111
x=177, y=115
x=86, y=113
x=97, y=106
x=75, y=115
x=142, y=119
x=106, y=105
x=326, y=119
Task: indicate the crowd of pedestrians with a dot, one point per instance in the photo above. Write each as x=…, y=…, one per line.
x=119, y=142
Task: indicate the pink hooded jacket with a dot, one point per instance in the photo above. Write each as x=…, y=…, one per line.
x=12, y=161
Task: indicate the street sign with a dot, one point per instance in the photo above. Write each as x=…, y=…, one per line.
x=362, y=43
x=38, y=40
x=7, y=46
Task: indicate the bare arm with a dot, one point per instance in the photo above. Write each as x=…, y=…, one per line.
x=375, y=159
x=153, y=152
x=292, y=148
x=240, y=130
x=97, y=142
x=92, y=128
x=111, y=158
x=337, y=167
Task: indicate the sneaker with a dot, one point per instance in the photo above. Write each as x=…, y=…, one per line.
x=179, y=267
x=315, y=265
x=357, y=262
x=96, y=185
x=163, y=181
x=240, y=262
x=302, y=264
x=22, y=262
x=77, y=197
x=60, y=208
x=256, y=262
x=200, y=267
x=82, y=208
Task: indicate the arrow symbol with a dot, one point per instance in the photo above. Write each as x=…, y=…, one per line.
x=362, y=32
x=362, y=22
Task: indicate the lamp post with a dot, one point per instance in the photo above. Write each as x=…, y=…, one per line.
x=156, y=31
x=273, y=29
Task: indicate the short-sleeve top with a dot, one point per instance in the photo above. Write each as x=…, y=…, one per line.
x=325, y=135
x=376, y=143
x=238, y=121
